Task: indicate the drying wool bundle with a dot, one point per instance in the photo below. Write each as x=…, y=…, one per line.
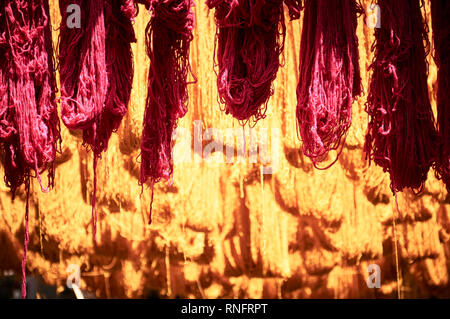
x=29, y=124
x=168, y=37
x=250, y=38
x=440, y=12
x=329, y=77
x=96, y=72
x=401, y=135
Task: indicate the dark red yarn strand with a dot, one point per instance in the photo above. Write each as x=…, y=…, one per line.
x=249, y=41
x=26, y=240
x=29, y=124
x=329, y=77
x=96, y=73
x=168, y=37
x=401, y=136
x=440, y=14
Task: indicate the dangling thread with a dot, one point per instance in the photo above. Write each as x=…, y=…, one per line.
x=41, y=246
x=397, y=265
x=151, y=205
x=94, y=199
x=26, y=239
x=263, y=232
x=241, y=175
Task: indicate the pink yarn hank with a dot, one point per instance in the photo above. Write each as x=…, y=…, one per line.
x=168, y=37
x=29, y=124
x=329, y=76
x=249, y=41
x=96, y=73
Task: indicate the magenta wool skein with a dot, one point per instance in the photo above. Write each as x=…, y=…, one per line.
x=329, y=77
x=401, y=136
x=168, y=37
x=96, y=73
x=29, y=124
x=249, y=41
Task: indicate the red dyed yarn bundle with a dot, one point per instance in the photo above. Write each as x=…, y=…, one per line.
x=168, y=37
x=29, y=123
x=250, y=38
x=96, y=72
x=440, y=13
x=329, y=77
x=401, y=136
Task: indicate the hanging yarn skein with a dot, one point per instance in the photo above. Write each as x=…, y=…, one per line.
x=96, y=72
x=249, y=40
x=29, y=123
x=329, y=76
x=440, y=14
x=401, y=136
x=168, y=37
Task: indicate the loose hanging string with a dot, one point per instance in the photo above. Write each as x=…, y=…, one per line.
x=151, y=205
x=94, y=198
x=263, y=233
x=241, y=175
x=26, y=239
x=38, y=208
x=41, y=245
x=397, y=264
